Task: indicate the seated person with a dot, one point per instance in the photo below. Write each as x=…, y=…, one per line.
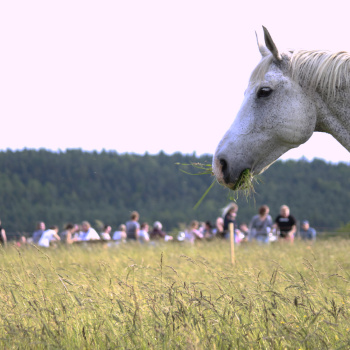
x=87, y=233
x=307, y=232
x=286, y=224
x=67, y=235
x=261, y=225
x=157, y=232
x=105, y=234
x=49, y=236
x=193, y=233
x=218, y=231
x=143, y=233
x=40, y=228
x=120, y=234
x=208, y=230
x=243, y=227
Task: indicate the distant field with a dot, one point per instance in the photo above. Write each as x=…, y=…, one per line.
x=177, y=296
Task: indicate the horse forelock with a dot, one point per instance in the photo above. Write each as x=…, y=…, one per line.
x=317, y=69
x=260, y=70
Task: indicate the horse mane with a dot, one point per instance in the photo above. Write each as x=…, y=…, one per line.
x=322, y=70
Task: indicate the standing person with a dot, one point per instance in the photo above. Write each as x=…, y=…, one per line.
x=3, y=238
x=49, y=236
x=286, y=224
x=106, y=233
x=87, y=232
x=261, y=225
x=230, y=214
x=307, y=232
x=133, y=227
x=143, y=233
x=67, y=235
x=40, y=228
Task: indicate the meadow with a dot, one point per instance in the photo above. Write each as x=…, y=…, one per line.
x=176, y=296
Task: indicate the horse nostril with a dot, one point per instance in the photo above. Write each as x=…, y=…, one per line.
x=224, y=169
x=223, y=165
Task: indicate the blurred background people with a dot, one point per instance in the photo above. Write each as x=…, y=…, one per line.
x=3, y=238
x=133, y=227
x=21, y=242
x=219, y=228
x=261, y=225
x=40, y=228
x=307, y=233
x=49, y=236
x=67, y=235
x=143, y=233
x=286, y=224
x=87, y=233
x=120, y=234
x=193, y=233
x=229, y=215
x=243, y=227
x=157, y=232
x=106, y=233
x=208, y=230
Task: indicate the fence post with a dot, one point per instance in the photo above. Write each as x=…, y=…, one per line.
x=232, y=242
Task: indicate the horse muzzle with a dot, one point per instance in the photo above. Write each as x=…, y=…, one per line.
x=232, y=177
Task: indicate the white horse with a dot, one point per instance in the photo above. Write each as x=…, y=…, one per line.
x=290, y=95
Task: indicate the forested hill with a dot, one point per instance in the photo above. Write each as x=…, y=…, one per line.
x=75, y=185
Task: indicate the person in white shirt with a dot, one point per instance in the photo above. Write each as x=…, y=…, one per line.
x=49, y=236
x=106, y=233
x=87, y=233
x=120, y=235
x=143, y=233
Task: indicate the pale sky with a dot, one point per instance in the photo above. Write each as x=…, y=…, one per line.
x=137, y=76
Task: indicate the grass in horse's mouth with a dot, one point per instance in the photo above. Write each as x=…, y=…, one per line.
x=244, y=183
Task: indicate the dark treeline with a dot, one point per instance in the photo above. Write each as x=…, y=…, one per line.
x=74, y=185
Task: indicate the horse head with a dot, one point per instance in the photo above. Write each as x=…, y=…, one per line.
x=275, y=116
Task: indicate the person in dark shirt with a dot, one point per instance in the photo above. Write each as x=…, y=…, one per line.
x=230, y=214
x=157, y=232
x=286, y=224
x=133, y=227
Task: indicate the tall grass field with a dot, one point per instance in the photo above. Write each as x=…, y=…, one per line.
x=176, y=296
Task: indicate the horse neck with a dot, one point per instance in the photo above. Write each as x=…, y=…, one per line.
x=334, y=116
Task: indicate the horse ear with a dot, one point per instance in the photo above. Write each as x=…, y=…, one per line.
x=271, y=45
x=263, y=49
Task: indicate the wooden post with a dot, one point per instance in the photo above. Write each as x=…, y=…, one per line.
x=232, y=242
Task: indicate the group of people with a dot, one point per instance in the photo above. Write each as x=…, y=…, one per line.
x=132, y=230
x=262, y=228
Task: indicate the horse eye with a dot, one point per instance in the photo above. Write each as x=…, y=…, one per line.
x=264, y=92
